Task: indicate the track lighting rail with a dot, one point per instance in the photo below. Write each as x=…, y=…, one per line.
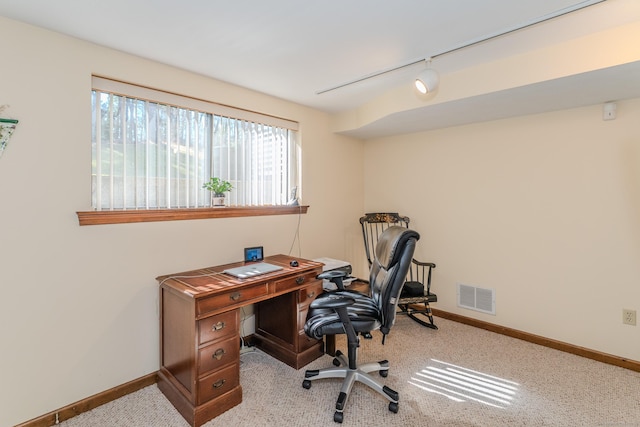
x=539, y=20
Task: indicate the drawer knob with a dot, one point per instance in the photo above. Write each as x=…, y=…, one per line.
x=311, y=295
x=235, y=296
x=218, y=354
x=219, y=383
x=218, y=326
x=299, y=280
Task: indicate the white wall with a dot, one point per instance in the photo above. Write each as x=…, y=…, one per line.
x=78, y=313
x=545, y=209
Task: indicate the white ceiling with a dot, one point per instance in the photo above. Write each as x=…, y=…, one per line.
x=293, y=49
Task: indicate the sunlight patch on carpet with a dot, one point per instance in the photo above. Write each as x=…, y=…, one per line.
x=461, y=384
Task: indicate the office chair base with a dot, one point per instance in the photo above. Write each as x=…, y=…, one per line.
x=351, y=376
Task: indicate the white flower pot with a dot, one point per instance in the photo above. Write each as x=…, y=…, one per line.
x=217, y=200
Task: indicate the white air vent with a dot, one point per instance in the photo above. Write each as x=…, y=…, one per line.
x=478, y=299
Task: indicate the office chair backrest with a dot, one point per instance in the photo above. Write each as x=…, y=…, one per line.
x=393, y=255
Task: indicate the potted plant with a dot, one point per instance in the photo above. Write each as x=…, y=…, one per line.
x=217, y=187
x=7, y=126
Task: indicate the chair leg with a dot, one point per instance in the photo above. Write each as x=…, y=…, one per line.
x=406, y=309
x=429, y=314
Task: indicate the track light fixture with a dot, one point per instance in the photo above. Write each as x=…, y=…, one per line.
x=428, y=80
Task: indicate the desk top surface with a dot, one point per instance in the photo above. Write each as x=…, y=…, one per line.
x=209, y=280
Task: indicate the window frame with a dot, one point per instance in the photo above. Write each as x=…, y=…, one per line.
x=118, y=216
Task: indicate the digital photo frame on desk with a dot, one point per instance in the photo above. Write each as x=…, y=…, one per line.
x=253, y=254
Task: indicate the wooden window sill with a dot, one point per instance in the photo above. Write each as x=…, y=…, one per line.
x=151, y=215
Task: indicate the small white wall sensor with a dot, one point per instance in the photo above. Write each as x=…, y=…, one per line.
x=609, y=111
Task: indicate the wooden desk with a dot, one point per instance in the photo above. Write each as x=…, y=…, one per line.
x=199, y=330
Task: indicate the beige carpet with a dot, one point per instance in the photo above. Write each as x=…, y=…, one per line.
x=457, y=376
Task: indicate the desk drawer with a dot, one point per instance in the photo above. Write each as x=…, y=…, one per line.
x=218, y=327
x=218, y=383
x=294, y=282
x=227, y=299
x=219, y=354
x=308, y=294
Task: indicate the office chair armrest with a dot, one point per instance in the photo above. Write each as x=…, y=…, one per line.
x=332, y=301
x=334, y=276
x=338, y=303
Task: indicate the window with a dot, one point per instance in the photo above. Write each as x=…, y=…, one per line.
x=154, y=150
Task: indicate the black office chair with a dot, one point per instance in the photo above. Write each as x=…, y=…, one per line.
x=349, y=312
x=416, y=295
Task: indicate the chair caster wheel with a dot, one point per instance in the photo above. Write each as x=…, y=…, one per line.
x=306, y=384
x=337, y=417
x=336, y=361
x=384, y=373
x=393, y=407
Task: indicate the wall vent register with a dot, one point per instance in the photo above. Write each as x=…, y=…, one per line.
x=477, y=299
